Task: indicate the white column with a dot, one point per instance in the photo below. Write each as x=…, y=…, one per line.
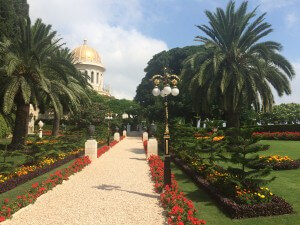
x=91, y=149
x=117, y=136
x=152, y=147
x=145, y=136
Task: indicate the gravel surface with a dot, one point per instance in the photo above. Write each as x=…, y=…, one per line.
x=115, y=189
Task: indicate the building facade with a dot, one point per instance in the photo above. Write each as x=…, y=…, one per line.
x=88, y=61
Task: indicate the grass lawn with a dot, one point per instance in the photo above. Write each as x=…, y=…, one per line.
x=286, y=185
x=23, y=188
x=289, y=148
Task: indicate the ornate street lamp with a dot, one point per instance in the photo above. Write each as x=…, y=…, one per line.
x=108, y=118
x=167, y=80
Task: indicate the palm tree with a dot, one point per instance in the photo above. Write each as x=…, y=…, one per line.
x=27, y=66
x=235, y=69
x=67, y=96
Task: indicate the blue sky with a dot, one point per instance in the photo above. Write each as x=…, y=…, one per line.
x=128, y=33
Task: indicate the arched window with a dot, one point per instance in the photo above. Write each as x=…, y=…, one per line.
x=97, y=78
x=92, y=77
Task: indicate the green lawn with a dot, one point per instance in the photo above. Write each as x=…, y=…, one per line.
x=289, y=148
x=23, y=188
x=286, y=185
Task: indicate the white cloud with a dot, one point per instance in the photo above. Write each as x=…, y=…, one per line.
x=291, y=20
x=295, y=84
x=267, y=5
x=110, y=28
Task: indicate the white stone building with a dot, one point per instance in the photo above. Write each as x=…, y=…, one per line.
x=88, y=61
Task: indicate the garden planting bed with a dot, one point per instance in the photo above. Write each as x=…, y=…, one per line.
x=16, y=181
x=277, y=206
x=289, y=165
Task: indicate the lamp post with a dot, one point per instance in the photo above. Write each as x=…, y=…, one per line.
x=108, y=118
x=167, y=81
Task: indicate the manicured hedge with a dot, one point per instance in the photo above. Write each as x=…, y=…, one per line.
x=277, y=206
x=276, y=128
x=14, y=182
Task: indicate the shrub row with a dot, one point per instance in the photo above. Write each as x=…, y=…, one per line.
x=277, y=128
x=180, y=210
x=11, y=206
x=277, y=206
x=16, y=181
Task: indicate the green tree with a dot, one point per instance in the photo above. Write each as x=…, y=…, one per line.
x=236, y=68
x=241, y=149
x=27, y=66
x=12, y=12
x=179, y=106
x=68, y=96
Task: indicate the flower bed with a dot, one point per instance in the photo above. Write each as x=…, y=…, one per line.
x=180, y=210
x=102, y=150
x=11, y=206
x=26, y=173
x=295, y=136
x=277, y=205
x=278, y=162
x=105, y=148
x=113, y=143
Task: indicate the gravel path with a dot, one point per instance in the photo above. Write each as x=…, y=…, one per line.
x=116, y=189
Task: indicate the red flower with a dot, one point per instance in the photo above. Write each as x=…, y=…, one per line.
x=35, y=185
x=6, y=200
x=2, y=218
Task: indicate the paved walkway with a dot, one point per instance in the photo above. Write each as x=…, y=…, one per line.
x=115, y=189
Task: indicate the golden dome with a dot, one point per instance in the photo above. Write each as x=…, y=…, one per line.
x=84, y=54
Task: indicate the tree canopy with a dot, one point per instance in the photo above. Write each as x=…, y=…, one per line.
x=179, y=105
x=236, y=68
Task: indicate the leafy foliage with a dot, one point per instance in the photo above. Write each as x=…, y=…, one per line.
x=34, y=68
x=179, y=106
x=6, y=166
x=4, y=128
x=12, y=12
x=241, y=146
x=234, y=69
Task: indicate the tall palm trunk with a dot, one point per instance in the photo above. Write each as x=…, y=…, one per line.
x=232, y=119
x=55, y=128
x=21, y=124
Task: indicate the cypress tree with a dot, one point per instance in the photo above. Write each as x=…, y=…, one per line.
x=242, y=148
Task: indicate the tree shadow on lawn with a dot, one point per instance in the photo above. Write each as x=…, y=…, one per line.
x=112, y=187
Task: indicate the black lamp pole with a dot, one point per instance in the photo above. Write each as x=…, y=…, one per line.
x=167, y=160
x=108, y=118
x=167, y=80
x=108, y=132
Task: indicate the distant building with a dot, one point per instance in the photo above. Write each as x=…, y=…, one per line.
x=88, y=61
